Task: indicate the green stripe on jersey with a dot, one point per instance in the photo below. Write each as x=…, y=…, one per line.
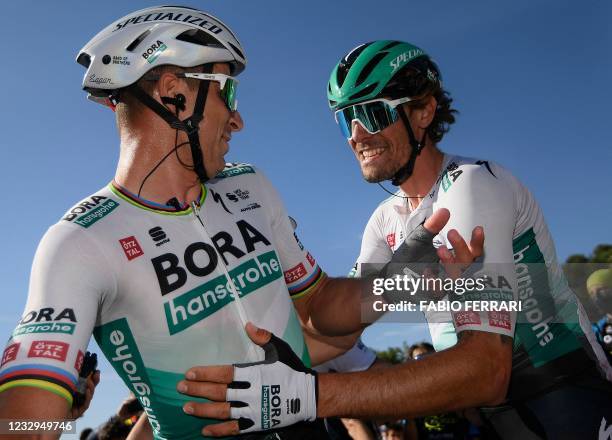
x=537, y=328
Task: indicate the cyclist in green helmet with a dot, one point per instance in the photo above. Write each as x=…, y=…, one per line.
x=522, y=368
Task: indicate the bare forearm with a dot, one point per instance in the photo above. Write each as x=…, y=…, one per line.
x=28, y=403
x=336, y=309
x=453, y=379
x=325, y=348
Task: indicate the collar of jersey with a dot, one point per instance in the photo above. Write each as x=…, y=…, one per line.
x=148, y=205
x=404, y=201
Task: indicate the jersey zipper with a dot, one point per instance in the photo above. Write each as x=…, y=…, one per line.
x=252, y=354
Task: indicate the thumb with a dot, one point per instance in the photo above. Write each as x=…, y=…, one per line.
x=437, y=221
x=258, y=335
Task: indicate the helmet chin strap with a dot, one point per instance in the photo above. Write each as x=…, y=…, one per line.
x=190, y=125
x=406, y=170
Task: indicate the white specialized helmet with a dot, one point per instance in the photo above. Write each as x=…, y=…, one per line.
x=124, y=51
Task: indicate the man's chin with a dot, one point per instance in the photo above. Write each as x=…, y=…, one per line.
x=376, y=176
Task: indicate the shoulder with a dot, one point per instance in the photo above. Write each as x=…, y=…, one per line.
x=463, y=174
x=242, y=173
x=243, y=179
x=234, y=169
x=91, y=209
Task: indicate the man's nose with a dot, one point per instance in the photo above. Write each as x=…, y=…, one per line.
x=358, y=132
x=236, y=122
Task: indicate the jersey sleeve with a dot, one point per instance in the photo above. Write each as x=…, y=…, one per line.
x=47, y=347
x=481, y=195
x=301, y=270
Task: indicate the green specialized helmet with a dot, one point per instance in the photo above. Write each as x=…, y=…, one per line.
x=369, y=69
x=600, y=278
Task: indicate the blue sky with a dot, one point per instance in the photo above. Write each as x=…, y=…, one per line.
x=530, y=79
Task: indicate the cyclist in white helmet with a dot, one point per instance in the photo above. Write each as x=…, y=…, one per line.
x=167, y=263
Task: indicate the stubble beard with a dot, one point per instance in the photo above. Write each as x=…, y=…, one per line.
x=379, y=174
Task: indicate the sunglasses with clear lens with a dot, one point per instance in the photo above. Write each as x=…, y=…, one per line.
x=374, y=115
x=227, y=84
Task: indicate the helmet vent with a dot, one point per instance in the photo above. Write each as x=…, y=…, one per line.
x=365, y=92
x=391, y=44
x=238, y=51
x=347, y=62
x=199, y=37
x=84, y=60
x=352, y=55
x=369, y=67
x=134, y=44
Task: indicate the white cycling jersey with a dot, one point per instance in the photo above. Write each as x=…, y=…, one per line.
x=553, y=330
x=162, y=290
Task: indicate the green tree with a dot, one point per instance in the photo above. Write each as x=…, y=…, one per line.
x=393, y=355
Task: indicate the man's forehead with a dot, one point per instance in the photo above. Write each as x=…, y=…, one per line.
x=221, y=68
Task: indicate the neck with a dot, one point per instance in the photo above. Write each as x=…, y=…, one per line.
x=141, y=152
x=426, y=170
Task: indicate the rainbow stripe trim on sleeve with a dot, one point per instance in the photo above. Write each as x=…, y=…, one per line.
x=49, y=378
x=43, y=384
x=305, y=287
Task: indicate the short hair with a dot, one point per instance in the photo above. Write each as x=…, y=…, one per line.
x=426, y=346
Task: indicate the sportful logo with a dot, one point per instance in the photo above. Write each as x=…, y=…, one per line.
x=154, y=51
x=293, y=406
x=158, y=235
x=93, y=210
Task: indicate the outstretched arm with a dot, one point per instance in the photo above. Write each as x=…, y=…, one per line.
x=335, y=305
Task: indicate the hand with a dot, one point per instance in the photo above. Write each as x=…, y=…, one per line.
x=417, y=250
x=239, y=391
x=418, y=246
x=464, y=255
x=92, y=381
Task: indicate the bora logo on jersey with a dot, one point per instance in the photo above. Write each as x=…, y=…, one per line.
x=47, y=320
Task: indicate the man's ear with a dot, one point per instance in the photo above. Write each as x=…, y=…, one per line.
x=167, y=85
x=427, y=113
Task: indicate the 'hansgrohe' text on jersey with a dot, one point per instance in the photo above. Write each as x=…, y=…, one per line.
x=161, y=291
